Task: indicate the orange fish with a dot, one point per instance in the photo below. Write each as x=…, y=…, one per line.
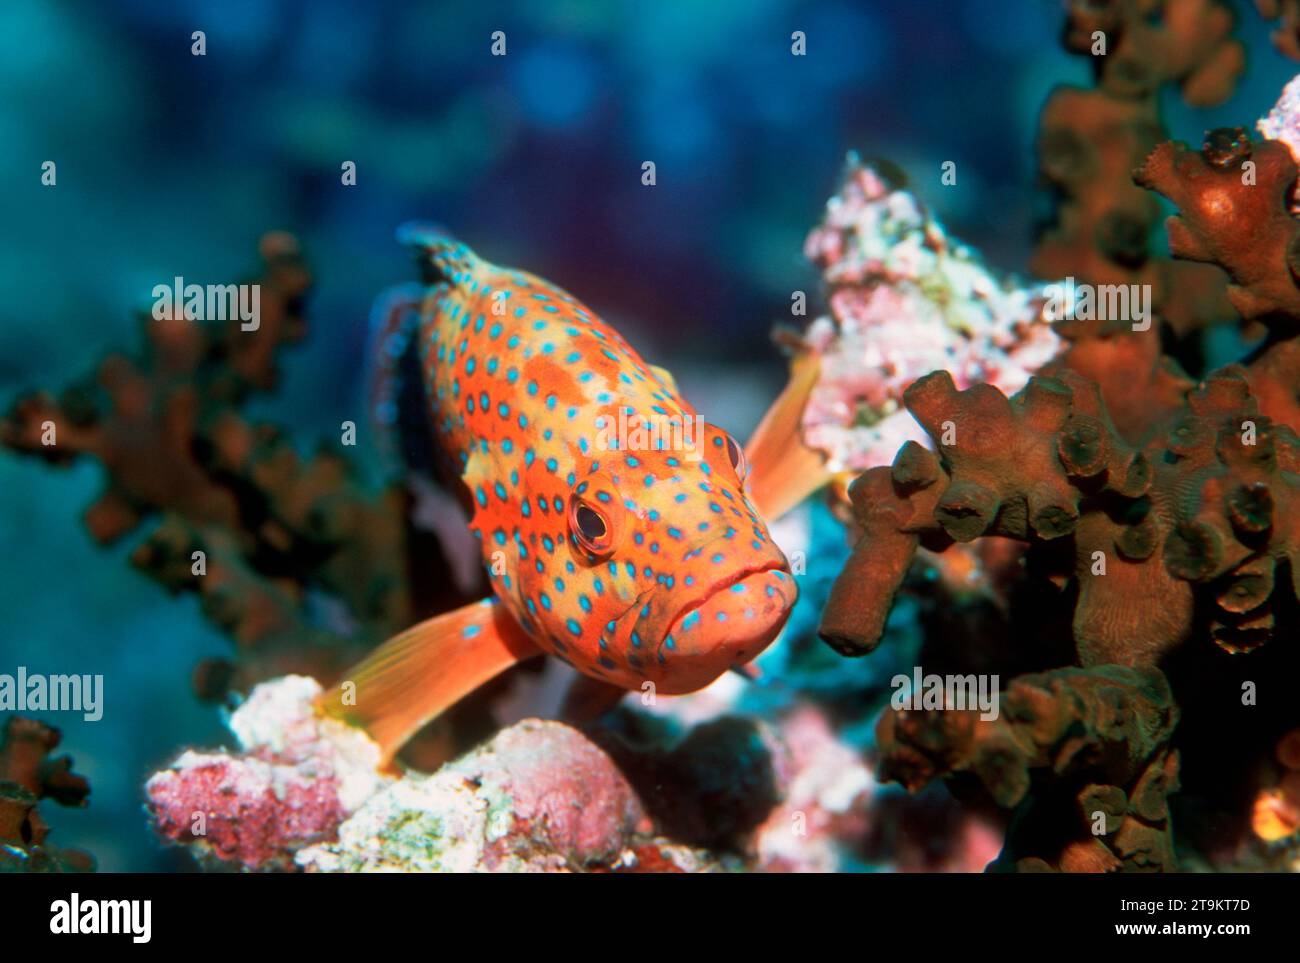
x=613, y=522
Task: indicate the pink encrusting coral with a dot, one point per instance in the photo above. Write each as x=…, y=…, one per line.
x=302, y=792
x=825, y=811
x=243, y=810
x=539, y=797
x=295, y=780
x=305, y=791
x=1283, y=121
x=905, y=300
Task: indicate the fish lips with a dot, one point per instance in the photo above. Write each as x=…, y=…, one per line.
x=725, y=625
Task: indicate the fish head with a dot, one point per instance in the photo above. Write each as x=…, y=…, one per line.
x=675, y=576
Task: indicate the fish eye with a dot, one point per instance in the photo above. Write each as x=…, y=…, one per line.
x=737, y=456
x=593, y=517
x=589, y=523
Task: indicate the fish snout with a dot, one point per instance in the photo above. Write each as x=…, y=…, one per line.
x=726, y=627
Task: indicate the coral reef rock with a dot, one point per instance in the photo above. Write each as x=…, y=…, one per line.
x=539, y=796
x=296, y=777
x=904, y=300
x=303, y=792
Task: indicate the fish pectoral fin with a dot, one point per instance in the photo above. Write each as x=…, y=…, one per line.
x=415, y=676
x=665, y=378
x=783, y=471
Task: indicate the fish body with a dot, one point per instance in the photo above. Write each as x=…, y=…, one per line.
x=635, y=557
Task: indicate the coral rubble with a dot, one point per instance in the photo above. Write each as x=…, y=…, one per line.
x=539, y=796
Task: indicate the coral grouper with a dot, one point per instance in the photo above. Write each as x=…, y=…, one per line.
x=613, y=521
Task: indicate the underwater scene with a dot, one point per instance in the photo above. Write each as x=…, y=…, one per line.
x=799, y=436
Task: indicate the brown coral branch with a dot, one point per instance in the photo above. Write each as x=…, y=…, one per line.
x=1099, y=737
x=27, y=775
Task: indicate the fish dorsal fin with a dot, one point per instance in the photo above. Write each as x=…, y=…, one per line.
x=415, y=676
x=783, y=471
x=441, y=256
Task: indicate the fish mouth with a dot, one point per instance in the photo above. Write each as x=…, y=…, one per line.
x=721, y=585
x=648, y=608
x=686, y=643
x=727, y=627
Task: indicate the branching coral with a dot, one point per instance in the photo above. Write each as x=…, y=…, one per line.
x=905, y=299
x=1090, y=140
x=27, y=775
x=1159, y=511
x=1204, y=506
x=238, y=515
x=1104, y=735
x=1221, y=205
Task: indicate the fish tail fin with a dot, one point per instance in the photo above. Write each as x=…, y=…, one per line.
x=783, y=471
x=415, y=676
x=440, y=256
